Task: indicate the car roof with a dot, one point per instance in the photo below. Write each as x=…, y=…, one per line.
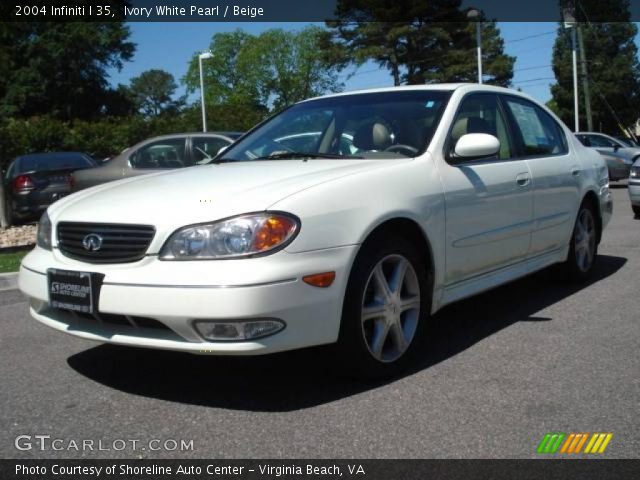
x=450, y=87
x=53, y=155
x=193, y=134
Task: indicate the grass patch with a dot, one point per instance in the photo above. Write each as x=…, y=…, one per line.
x=10, y=262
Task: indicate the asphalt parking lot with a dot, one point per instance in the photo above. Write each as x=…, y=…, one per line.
x=510, y=365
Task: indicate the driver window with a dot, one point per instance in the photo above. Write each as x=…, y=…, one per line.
x=598, y=141
x=205, y=148
x=167, y=153
x=479, y=113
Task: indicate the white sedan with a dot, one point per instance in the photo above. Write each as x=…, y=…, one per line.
x=449, y=190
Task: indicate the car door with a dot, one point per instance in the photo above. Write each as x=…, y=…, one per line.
x=157, y=156
x=488, y=200
x=555, y=173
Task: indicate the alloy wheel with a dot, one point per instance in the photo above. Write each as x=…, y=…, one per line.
x=585, y=240
x=390, y=308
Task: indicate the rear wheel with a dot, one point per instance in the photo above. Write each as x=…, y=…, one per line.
x=386, y=308
x=583, y=249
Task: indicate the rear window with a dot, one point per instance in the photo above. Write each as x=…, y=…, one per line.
x=39, y=163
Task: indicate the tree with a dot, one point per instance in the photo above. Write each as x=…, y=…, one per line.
x=612, y=61
x=434, y=43
x=59, y=69
x=152, y=93
x=272, y=70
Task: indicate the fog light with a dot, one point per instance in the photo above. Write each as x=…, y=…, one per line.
x=216, y=331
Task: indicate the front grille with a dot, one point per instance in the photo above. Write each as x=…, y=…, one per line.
x=120, y=242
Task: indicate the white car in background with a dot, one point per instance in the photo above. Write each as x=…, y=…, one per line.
x=450, y=190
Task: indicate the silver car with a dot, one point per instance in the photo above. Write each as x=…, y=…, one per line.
x=618, y=154
x=157, y=154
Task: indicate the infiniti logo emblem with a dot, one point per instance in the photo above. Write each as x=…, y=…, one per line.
x=92, y=242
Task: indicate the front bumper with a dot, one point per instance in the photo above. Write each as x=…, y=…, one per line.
x=175, y=294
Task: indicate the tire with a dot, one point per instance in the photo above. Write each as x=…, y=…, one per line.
x=384, y=340
x=636, y=210
x=583, y=249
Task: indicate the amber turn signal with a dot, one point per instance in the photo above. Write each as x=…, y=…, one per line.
x=322, y=280
x=275, y=230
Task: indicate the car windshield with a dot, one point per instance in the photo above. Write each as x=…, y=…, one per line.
x=627, y=142
x=396, y=124
x=55, y=161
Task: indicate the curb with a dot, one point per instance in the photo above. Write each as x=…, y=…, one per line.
x=8, y=281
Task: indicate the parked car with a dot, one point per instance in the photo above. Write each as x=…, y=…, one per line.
x=618, y=154
x=618, y=165
x=634, y=188
x=452, y=190
x=157, y=154
x=35, y=181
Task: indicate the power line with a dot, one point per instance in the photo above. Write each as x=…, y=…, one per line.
x=531, y=68
x=528, y=37
x=535, y=80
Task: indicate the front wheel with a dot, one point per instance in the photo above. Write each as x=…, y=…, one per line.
x=583, y=249
x=386, y=308
x=636, y=210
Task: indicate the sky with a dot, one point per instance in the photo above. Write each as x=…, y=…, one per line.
x=169, y=46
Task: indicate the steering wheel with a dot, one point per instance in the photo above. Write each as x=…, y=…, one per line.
x=402, y=148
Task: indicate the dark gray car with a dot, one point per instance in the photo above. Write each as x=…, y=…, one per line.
x=155, y=155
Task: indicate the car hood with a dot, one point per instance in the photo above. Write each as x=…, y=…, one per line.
x=202, y=194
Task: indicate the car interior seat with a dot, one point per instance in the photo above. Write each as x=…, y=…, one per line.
x=372, y=137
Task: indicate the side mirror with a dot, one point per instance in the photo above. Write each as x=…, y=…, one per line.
x=616, y=148
x=476, y=145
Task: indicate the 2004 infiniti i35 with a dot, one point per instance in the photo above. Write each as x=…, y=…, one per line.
x=441, y=192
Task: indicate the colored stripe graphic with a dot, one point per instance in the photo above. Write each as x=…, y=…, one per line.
x=550, y=442
x=598, y=443
x=572, y=443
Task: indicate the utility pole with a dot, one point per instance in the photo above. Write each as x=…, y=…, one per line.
x=568, y=15
x=585, y=79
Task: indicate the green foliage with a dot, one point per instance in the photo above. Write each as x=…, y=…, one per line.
x=612, y=63
x=59, y=69
x=10, y=262
x=275, y=68
x=152, y=92
x=436, y=43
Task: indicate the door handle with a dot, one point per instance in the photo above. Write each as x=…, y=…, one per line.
x=523, y=179
x=575, y=171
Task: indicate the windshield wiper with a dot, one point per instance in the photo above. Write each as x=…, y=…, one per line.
x=285, y=155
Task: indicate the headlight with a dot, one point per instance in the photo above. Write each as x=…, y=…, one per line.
x=241, y=236
x=43, y=238
x=635, y=172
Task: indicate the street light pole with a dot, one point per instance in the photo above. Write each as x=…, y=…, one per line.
x=473, y=13
x=479, y=41
x=574, y=59
x=203, y=56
